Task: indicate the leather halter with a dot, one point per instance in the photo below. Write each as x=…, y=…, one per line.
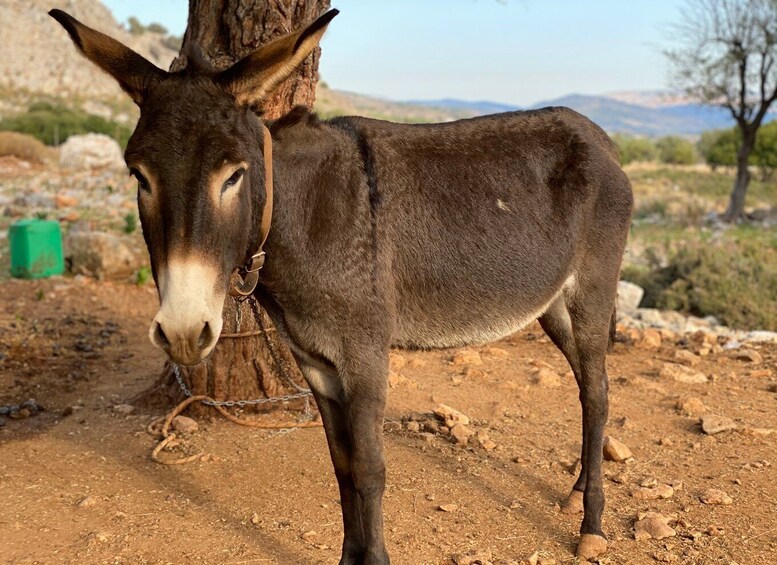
x=248, y=275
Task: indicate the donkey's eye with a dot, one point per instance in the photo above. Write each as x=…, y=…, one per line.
x=232, y=181
x=142, y=181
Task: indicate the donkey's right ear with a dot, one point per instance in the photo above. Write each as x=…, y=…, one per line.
x=134, y=73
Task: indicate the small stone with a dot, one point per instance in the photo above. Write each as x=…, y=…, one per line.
x=652, y=525
x=651, y=339
x=86, y=502
x=691, y=406
x=396, y=380
x=309, y=535
x=450, y=416
x=448, y=507
x=461, y=434
x=125, y=409
x=715, y=531
x=467, y=357
x=614, y=450
x=715, y=496
x=474, y=557
x=712, y=424
x=484, y=441
x=665, y=442
x=255, y=518
x=655, y=493
x=413, y=427
x=185, y=425
x=749, y=356
x=686, y=357
x=427, y=437
x=496, y=352
x=547, y=378
x=472, y=373
x=682, y=374
x=649, y=483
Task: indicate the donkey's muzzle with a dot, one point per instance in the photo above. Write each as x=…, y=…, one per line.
x=185, y=345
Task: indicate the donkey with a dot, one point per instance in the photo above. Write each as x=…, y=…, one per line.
x=382, y=235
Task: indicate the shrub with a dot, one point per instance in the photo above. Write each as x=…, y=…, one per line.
x=765, y=150
x=635, y=149
x=735, y=282
x=53, y=124
x=719, y=148
x=676, y=151
x=23, y=146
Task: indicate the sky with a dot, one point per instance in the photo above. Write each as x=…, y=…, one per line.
x=511, y=51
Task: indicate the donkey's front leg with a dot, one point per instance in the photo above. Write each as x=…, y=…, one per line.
x=355, y=418
x=366, y=401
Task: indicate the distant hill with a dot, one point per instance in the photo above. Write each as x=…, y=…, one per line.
x=659, y=113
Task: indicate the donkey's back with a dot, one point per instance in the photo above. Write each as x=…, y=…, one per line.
x=483, y=222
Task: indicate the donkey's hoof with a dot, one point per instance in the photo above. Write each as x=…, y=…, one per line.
x=573, y=503
x=591, y=547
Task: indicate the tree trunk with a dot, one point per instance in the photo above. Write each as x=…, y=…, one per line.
x=736, y=205
x=257, y=365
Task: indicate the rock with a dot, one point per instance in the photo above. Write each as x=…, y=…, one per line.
x=715, y=496
x=749, y=356
x=482, y=439
x=448, y=507
x=614, y=450
x=461, y=434
x=467, y=357
x=185, y=425
x=427, y=437
x=651, y=339
x=99, y=254
x=473, y=557
x=652, y=525
x=682, y=374
x=655, y=493
x=496, y=352
x=712, y=424
x=761, y=336
x=450, y=416
x=691, y=406
x=413, y=427
x=86, y=502
x=629, y=296
x=309, y=536
x=255, y=518
x=686, y=357
x=547, y=378
x=90, y=151
x=125, y=409
x=651, y=317
x=396, y=380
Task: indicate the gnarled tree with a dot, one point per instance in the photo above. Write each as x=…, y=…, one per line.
x=727, y=58
x=249, y=360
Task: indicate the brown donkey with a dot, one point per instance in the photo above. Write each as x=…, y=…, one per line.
x=383, y=235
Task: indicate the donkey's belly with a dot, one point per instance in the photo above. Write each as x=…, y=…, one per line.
x=434, y=327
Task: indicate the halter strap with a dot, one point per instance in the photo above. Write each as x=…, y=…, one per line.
x=248, y=274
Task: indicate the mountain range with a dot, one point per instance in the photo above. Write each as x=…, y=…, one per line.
x=650, y=114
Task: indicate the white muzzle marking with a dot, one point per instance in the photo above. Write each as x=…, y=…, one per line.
x=189, y=322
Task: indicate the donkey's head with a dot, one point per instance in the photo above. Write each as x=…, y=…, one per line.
x=197, y=156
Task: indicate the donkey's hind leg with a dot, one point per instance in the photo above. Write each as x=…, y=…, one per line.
x=590, y=306
x=558, y=325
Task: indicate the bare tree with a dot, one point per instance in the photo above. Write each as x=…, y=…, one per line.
x=250, y=361
x=726, y=57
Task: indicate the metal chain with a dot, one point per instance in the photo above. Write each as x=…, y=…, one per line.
x=301, y=392
x=229, y=403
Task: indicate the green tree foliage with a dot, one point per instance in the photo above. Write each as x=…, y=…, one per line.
x=676, y=151
x=54, y=123
x=719, y=147
x=154, y=27
x=135, y=27
x=766, y=149
x=635, y=149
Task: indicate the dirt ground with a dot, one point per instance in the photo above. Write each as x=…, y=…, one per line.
x=77, y=484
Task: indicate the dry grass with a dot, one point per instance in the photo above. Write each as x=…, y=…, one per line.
x=23, y=147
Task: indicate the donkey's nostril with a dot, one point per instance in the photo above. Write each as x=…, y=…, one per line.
x=206, y=337
x=160, y=337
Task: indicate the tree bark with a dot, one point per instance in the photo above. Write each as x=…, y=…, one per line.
x=258, y=365
x=736, y=205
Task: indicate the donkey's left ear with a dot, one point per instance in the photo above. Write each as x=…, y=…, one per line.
x=254, y=77
x=133, y=73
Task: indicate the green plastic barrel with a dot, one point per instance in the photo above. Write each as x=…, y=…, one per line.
x=36, y=249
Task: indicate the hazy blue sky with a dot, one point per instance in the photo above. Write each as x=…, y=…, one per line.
x=512, y=51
